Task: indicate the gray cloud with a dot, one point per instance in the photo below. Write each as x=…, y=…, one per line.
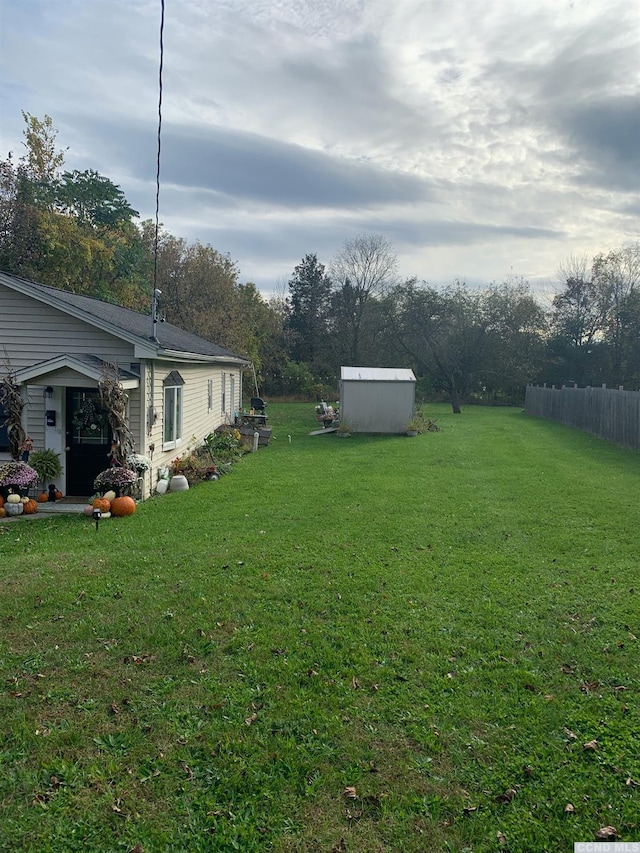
x=606, y=135
x=257, y=169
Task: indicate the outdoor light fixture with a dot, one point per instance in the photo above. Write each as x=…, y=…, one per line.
x=48, y=392
x=97, y=515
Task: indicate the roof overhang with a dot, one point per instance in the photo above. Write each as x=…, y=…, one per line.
x=87, y=366
x=175, y=355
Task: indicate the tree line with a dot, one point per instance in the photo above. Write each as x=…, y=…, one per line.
x=76, y=231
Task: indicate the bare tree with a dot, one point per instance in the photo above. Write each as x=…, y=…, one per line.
x=365, y=268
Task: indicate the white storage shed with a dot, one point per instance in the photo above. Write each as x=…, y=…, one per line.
x=377, y=399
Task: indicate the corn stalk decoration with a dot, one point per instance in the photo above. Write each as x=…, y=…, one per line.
x=114, y=401
x=13, y=404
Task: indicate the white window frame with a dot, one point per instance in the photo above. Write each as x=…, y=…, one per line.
x=174, y=392
x=223, y=396
x=210, y=395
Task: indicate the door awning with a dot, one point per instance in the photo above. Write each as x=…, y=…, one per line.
x=87, y=366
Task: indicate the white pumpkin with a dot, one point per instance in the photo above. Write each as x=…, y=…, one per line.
x=109, y=496
x=14, y=499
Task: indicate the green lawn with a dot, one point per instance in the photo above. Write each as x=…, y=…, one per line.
x=365, y=644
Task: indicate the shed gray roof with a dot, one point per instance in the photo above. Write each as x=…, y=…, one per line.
x=131, y=322
x=376, y=374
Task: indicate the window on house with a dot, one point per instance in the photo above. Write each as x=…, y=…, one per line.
x=224, y=393
x=232, y=392
x=210, y=395
x=173, y=385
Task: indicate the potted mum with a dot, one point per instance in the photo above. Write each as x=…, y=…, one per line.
x=115, y=479
x=16, y=477
x=138, y=463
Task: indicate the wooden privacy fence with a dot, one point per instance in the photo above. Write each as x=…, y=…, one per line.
x=613, y=414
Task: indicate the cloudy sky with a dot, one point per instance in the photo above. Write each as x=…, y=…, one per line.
x=482, y=139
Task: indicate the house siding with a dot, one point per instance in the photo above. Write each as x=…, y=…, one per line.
x=48, y=331
x=34, y=410
x=197, y=420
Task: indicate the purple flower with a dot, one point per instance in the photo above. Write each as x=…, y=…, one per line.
x=17, y=474
x=114, y=478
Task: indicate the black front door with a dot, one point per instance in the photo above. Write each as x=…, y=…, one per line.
x=88, y=440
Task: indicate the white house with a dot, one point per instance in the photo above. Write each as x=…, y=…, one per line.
x=56, y=344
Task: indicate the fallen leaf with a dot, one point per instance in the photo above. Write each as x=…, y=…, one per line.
x=355, y=683
x=251, y=719
x=350, y=793
x=502, y=838
x=571, y=735
x=137, y=849
x=508, y=795
x=631, y=783
x=591, y=745
x=569, y=808
x=568, y=670
x=606, y=833
x=589, y=686
x=467, y=810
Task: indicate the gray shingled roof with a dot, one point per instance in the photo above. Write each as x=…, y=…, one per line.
x=170, y=337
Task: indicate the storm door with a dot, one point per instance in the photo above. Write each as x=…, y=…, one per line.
x=88, y=440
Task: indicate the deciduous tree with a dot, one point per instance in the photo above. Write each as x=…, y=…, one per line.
x=365, y=268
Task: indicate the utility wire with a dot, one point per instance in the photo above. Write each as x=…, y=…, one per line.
x=154, y=303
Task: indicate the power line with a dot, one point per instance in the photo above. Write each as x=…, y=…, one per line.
x=154, y=302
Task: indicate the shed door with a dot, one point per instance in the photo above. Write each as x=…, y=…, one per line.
x=88, y=440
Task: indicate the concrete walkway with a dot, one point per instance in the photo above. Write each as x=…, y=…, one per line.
x=69, y=506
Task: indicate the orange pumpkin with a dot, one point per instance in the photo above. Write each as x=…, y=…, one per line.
x=123, y=506
x=1, y=501
x=3, y=512
x=58, y=494
x=43, y=497
x=102, y=504
x=30, y=507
